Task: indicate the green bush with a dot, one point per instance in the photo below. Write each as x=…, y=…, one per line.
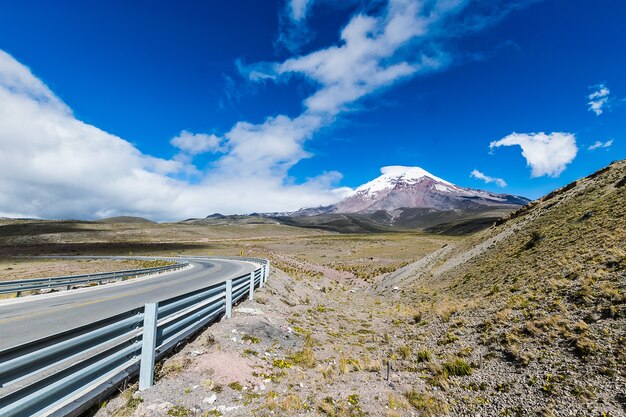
x=458, y=367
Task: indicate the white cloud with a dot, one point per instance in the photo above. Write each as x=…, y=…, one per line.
x=599, y=99
x=15, y=77
x=368, y=57
x=546, y=154
x=293, y=31
x=598, y=144
x=479, y=175
x=196, y=143
x=371, y=56
x=270, y=148
x=298, y=9
x=55, y=166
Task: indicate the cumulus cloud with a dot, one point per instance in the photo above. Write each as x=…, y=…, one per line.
x=15, y=77
x=55, y=166
x=546, y=154
x=368, y=57
x=480, y=176
x=599, y=99
x=196, y=143
x=598, y=144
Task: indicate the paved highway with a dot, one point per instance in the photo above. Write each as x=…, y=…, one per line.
x=33, y=317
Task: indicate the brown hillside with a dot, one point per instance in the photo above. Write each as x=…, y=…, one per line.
x=542, y=295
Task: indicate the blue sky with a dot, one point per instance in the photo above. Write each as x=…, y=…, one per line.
x=272, y=114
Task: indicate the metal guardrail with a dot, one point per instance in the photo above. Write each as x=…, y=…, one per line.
x=63, y=374
x=19, y=286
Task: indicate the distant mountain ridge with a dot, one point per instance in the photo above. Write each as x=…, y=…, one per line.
x=402, y=198
x=401, y=187
x=125, y=219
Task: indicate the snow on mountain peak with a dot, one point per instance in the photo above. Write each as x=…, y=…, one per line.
x=391, y=175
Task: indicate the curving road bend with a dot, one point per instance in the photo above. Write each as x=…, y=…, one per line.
x=33, y=317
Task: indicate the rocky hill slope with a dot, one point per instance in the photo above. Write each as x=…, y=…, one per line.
x=542, y=296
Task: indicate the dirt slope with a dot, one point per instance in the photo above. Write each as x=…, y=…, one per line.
x=542, y=296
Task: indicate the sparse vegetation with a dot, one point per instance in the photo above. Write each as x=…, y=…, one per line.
x=428, y=404
x=282, y=363
x=305, y=358
x=457, y=367
x=250, y=339
x=423, y=356
x=524, y=317
x=129, y=403
x=235, y=385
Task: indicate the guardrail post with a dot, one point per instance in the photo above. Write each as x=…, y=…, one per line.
x=251, y=285
x=146, y=371
x=18, y=294
x=261, y=278
x=229, y=298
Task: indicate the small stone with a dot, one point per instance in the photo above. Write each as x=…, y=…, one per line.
x=250, y=311
x=396, y=288
x=223, y=409
x=163, y=406
x=210, y=400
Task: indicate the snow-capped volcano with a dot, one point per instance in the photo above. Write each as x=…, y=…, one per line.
x=392, y=175
x=413, y=187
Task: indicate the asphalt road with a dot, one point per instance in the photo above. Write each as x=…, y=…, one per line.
x=34, y=317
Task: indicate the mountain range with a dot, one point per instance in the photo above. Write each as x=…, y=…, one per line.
x=402, y=198
x=401, y=187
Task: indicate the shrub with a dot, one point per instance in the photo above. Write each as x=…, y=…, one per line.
x=428, y=404
x=353, y=399
x=305, y=357
x=405, y=351
x=535, y=237
x=235, y=386
x=423, y=356
x=251, y=339
x=281, y=363
x=458, y=367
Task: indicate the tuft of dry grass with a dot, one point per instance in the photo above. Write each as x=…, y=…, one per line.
x=130, y=403
x=173, y=367
x=291, y=403
x=426, y=403
x=305, y=358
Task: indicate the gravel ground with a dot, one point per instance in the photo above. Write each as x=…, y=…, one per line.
x=250, y=365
